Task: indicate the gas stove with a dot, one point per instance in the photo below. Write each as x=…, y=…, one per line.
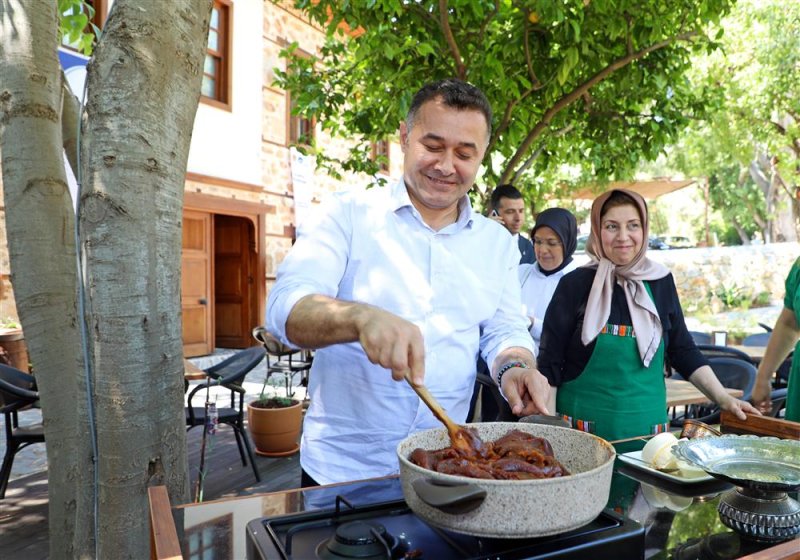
x=390, y=530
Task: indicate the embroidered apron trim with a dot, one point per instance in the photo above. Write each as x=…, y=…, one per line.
x=618, y=330
x=589, y=426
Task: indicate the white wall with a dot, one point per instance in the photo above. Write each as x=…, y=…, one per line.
x=227, y=144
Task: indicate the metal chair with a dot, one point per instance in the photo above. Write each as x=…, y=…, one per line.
x=713, y=351
x=486, y=391
x=17, y=391
x=757, y=339
x=229, y=374
x=283, y=359
x=782, y=373
x=701, y=337
x=733, y=373
x=778, y=397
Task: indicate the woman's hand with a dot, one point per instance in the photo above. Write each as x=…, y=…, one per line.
x=739, y=408
x=761, y=394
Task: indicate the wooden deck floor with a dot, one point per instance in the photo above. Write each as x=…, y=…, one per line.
x=24, y=515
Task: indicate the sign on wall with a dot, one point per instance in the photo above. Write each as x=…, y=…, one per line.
x=302, y=166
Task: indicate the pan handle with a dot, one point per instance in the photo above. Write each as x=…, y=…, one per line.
x=449, y=497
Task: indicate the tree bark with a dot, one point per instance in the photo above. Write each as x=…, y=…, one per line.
x=40, y=226
x=143, y=89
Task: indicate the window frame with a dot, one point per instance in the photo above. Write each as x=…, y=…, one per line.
x=382, y=148
x=223, y=55
x=295, y=124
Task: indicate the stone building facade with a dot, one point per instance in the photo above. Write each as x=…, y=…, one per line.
x=240, y=180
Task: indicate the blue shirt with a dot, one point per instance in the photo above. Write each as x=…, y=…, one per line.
x=459, y=285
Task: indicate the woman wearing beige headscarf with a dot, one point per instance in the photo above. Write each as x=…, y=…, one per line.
x=610, y=326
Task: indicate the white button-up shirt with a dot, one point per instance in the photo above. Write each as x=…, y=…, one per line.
x=459, y=285
x=537, y=291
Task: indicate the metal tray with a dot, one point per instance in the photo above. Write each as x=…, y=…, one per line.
x=766, y=463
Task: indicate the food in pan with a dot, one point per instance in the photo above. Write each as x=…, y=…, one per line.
x=515, y=456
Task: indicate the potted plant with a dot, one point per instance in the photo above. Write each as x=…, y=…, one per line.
x=12, y=341
x=274, y=420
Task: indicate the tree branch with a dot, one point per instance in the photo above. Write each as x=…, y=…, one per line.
x=424, y=13
x=628, y=36
x=70, y=117
x=528, y=61
x=486, y=20
x=506, y=120
x=569, y=98
x=794, y=144
x=528, y=162
x=461, y=70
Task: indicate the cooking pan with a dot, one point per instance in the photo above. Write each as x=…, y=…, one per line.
x=511, y=508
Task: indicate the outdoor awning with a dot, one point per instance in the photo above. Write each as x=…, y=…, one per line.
x=648, y=189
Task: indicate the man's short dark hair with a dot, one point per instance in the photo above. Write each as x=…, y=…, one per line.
x=454, y=93
x=504, y=191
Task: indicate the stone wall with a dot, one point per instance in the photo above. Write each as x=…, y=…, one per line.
x=752, y=269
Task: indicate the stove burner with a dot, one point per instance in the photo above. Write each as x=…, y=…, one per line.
x=760, y=515
x=359, y=539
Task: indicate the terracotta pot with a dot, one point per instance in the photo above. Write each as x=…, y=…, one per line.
x=275, y=431
x=13, y=342
x=511, y=508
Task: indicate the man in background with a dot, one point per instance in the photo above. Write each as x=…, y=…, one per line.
x=508, y=208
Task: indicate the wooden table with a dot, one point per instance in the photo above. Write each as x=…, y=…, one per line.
x=756, y=353
x=191, y=372
x=681, y=393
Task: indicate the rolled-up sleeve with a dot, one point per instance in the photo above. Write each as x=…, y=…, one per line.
x=315, y=265
x=508, y=327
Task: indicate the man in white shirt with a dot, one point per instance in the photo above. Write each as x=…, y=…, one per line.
x=399, y=282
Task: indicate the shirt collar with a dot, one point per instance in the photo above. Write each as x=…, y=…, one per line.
x=400, y=199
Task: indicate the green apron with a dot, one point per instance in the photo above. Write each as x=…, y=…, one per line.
x=616, y=397
x=793, y=391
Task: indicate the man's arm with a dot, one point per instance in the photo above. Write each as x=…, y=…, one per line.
x=388, y=340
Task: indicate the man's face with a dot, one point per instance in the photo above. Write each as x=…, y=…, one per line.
x=443, y=152
x=512, y=212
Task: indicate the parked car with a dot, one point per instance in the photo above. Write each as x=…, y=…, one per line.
x=580, y=247
x=656, y=243
x=676, y=241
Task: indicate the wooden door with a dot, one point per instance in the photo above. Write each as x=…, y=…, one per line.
x=196, y=284
x=234, y=281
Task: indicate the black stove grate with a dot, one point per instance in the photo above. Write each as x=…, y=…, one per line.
x=301, y=536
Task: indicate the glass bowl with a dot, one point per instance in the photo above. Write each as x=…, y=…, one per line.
x=765, y=463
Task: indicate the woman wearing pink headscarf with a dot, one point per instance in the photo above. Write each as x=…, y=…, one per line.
x=610, y=326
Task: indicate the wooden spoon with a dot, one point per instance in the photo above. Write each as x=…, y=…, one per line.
x=461, y=439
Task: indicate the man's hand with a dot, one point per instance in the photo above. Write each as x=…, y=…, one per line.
x=526, y=390
x=497, y=218
x=392, y=342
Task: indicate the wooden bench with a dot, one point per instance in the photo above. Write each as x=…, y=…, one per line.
x=164, y=544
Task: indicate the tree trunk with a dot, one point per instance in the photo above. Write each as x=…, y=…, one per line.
x=143, y=88
x=40, y=225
